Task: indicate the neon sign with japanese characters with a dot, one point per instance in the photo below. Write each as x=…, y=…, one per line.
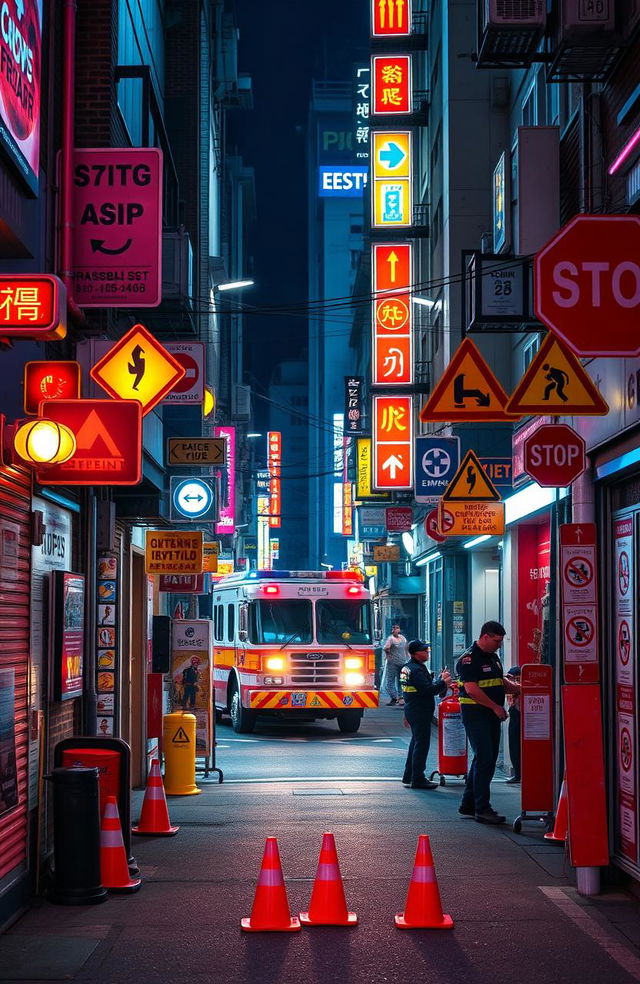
x=391, y=85
x=392, y=442
x=32, y=307
x=392, y=317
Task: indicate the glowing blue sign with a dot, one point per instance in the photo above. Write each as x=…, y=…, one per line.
x=342, y=181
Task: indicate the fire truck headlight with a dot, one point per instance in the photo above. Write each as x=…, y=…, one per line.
x=353, y=663
x=273, y=681
x=275, y=663
x=354, y=679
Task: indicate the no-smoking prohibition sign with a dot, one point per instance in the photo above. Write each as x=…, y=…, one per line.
x=579, y=630
x=578, y=571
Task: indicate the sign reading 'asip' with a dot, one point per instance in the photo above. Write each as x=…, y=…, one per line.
x=117, y=218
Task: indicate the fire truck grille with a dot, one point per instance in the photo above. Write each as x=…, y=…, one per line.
x=315, y=669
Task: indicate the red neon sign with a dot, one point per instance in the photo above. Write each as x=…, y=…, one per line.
x=274, y=461
x=32, y=307
x=390, y=18
x=109, y=442
x=392, y=315
x=50, y=381
x=393, y=442
x=390, y=84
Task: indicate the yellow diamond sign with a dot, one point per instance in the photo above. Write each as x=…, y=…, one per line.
x=138, y=367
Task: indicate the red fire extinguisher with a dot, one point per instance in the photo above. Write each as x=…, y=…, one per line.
x=452, y=738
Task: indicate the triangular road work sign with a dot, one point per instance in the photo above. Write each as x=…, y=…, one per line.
x=470, y=482
x=468, y=390
x=556, y=382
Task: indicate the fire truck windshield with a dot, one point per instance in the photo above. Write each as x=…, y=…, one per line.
x=342, y=621
x=280, y=621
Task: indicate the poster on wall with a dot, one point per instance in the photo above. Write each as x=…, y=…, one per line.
x=191, y=688
x=107, y=623
x=20, y=85
x=625, y=661
x=8, y=761
x=534, y=572
x=67, y=634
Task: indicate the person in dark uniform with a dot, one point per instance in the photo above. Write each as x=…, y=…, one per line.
x=482, y=692
x=420, y=690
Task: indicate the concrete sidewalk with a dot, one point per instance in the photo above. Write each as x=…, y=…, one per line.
x=511, y=896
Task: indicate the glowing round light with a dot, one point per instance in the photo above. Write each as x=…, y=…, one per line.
x=353, y=679
x=44, y=442
x=209, y=404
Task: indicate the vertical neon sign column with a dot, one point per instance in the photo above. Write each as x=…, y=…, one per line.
x=227, y=513
x=274, y=461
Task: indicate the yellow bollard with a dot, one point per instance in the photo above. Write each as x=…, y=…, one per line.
x=179, y=747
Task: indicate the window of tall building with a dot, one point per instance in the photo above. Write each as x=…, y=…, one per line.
x=529, y=350
x=530, y=107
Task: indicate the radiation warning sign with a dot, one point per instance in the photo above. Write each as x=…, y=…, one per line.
x=556, y=381
x=467, y=391
x=138, y=367
x=470, y=482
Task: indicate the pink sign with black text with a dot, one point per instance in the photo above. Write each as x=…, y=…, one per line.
x=227, y=513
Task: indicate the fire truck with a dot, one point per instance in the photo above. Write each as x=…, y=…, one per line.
x=295, y=644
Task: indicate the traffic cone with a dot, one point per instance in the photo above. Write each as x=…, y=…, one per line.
x=328, y=906
x=423, y=908
x=114, y=870
x=560, y=827
x=154, y=818
x=270, y=911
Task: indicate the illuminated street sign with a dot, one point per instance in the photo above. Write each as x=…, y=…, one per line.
x=393, y=442
x=392, y=362
x=556, y=382
x=471, y=518
x=32, y=306
x=274, y=461
x=391, y=84
x=50, y=381
x=391, y=164
x=470, y=482
x=189, y=389
x=227, y=509
x=193, y=498
x=210, y=552
x=390, y=18
x=108, y=442
x=117, y=220
x=139, y=368
x=196, y=451
x=467, y=390
x=364, y=477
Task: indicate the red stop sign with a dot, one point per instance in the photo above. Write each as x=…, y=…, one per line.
x=587, y=284
x=432, y=528
x=554, y=455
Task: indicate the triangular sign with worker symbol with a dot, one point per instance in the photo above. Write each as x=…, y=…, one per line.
x=471, y=482
x=468, y=390
x=180, y=738
x=556, y=382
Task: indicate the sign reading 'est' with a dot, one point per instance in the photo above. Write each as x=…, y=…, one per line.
x=117, y=219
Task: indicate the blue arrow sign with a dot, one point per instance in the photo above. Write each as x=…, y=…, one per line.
x=393, y=155
x=192, y=498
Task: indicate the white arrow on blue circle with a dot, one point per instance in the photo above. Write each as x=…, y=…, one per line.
x=193, y=497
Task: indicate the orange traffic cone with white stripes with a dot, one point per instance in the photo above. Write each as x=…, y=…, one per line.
x=270, y=911
x=423, y=908
x=328, y=906
x=114, y=870
x=560, y=826
x=154, y=818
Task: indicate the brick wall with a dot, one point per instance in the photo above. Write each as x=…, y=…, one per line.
x=96, y=55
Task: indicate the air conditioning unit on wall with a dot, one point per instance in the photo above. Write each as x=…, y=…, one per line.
x=586, y=38
x=509, y=31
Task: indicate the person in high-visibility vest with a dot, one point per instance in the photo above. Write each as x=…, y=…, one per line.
x=482, y=693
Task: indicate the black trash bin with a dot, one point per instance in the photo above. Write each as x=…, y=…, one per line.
x=76, y=837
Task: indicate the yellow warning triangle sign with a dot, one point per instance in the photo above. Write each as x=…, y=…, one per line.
x=468, y=390
x=471, y=482
x=180, y=738
x=557, y=383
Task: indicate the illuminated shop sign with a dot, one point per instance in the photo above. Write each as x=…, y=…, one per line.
x=20, y=82
x=227, y=512
x=341, y=181
x=392, y=362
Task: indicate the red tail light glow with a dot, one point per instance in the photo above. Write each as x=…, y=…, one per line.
x=353, y=590
x=271, y=589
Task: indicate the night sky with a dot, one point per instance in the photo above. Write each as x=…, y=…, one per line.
x=283, y=46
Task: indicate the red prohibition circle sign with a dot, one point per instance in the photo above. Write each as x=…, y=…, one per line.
x=626, y=749
x=624, y=641
x=579, y=630
x=578, y=572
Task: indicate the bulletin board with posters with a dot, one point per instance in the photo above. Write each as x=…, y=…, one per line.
x=107, y=627
x=67, y=634
x=191, y=676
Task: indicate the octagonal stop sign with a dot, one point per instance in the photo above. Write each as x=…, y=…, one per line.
x=587, y=284
x=554, y=455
